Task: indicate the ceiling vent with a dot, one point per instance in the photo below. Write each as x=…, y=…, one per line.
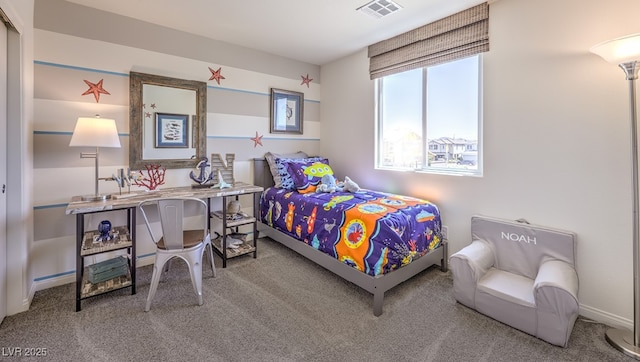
x=379, y=8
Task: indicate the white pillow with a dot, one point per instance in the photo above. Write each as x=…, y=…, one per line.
x=271, y=160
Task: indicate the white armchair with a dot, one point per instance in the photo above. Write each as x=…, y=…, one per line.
x=521, y=275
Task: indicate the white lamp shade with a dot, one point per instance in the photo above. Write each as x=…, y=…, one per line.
x=620, y=50
x=95, y=132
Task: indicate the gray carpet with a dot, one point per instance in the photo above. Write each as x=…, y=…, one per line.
x=280, y=307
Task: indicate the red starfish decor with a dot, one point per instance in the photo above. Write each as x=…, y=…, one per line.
x=306, y=80
x=215, y=75
x=257, y=140
x=96, y=89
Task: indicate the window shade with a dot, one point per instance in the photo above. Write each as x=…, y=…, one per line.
x=457, y=36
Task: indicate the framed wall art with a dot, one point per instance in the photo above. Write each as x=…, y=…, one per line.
x=287, y=108
x=172, y=130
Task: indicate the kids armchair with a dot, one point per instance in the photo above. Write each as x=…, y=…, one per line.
x=521, y=275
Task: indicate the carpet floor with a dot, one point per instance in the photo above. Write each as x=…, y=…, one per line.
x=279, y=307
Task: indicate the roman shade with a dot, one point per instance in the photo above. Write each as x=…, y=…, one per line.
x=457, y=36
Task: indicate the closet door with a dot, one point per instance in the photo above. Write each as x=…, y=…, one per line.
x=3, y=170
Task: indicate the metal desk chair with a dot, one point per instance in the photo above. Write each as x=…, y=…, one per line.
x=175, y=241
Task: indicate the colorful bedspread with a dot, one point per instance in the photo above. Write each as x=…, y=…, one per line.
x=372, y=231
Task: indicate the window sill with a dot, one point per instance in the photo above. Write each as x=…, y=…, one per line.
x=451, y=172
x=436, y=171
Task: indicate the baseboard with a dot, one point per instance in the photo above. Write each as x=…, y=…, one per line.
x=32, y=293
x=145, y=260
x=605, y=317
x=54, y=281
x=70, y=277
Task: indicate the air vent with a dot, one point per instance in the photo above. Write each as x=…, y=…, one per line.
x=379, y=8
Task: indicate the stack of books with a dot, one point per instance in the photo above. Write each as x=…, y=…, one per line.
x=108, y=269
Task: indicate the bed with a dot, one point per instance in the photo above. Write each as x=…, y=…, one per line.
x=373, y=239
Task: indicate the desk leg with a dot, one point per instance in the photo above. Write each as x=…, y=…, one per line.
x=79, y=259
x=209, y=214
x=131, y=220
x=256, y=214
x=224, y=232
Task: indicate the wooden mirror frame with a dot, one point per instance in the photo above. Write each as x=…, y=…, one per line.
x=136, y=125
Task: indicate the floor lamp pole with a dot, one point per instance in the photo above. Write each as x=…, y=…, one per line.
x=623, y=339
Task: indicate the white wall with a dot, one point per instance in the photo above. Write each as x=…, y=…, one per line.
x=556, y=139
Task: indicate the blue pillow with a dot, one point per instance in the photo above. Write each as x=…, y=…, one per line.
x=271, y=160
x=283, y=169
x=307, y=175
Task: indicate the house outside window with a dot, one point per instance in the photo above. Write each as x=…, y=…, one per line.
x=429, y=119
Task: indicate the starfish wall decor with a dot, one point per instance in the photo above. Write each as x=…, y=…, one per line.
x=216, y=74
x=95, y=89
x=306, y=80
x=257, y=140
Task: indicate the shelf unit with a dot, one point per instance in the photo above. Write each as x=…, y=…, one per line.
x=127, y=234
x=87, y=246
x=231, y=227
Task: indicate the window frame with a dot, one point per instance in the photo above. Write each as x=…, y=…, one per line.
x=426, y=167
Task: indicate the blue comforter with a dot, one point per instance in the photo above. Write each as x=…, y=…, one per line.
x=371, y=231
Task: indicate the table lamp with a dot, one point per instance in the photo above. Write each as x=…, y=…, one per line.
x=95, y=132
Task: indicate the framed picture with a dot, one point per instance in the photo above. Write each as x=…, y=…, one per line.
x=172, y=130
x=286, y=111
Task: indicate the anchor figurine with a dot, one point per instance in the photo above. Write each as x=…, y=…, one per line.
x=204, y=176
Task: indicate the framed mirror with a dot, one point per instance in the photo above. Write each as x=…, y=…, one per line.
x=167, y=121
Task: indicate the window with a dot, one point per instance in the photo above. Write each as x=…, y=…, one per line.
x=429, y=119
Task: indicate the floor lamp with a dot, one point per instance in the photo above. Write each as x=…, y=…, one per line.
x=95, y=132
x=625, y=52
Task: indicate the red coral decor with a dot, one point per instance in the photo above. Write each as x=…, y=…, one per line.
x=154, y=177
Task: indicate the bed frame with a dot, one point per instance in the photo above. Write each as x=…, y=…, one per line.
x=377, y=285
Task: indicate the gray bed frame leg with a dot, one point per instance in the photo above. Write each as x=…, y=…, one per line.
x=378, y=299
x=444, y=262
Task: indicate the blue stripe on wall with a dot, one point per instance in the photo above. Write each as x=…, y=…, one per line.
x=264, y=138
x=64, y=133
x=52, y=206
x=39, y=62
x=71, y=272
x=54, y=276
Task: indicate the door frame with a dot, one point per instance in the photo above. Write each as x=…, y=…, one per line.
x=20, y=160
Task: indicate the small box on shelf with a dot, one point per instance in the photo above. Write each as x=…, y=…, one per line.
x=236, y=219
x=90, y=289
x=108, y=269
x=92, y=244
x=233, y=247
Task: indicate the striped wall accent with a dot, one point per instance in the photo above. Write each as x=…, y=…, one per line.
x=237, y=108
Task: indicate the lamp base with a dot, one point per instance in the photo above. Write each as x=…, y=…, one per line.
x=623, y=341
x=95, y=197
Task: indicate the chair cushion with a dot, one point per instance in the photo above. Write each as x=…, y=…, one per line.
x=511, y=287
x=508, y=298
x=191, y=238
